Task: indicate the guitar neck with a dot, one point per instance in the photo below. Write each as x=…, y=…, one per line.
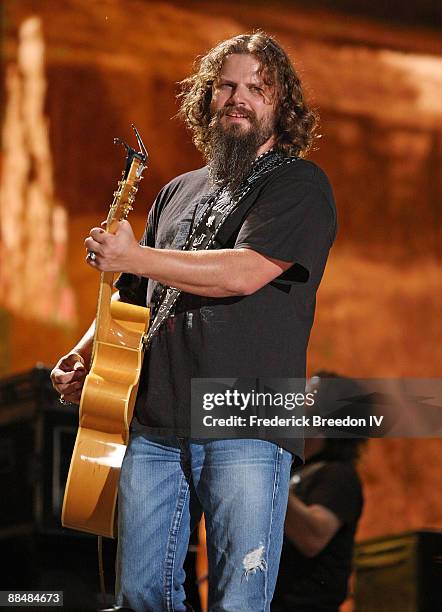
x=106, y=288
x=102, y=321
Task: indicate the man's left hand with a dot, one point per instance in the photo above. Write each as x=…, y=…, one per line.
x=113, y=252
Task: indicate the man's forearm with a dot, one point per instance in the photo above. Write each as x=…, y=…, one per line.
x=309, y=528
x=85, y=344
x=209, y=273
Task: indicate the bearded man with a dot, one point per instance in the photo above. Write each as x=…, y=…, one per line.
x=245, y=310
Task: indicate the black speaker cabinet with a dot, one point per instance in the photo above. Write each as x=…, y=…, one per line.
x=400, y=573
x=37, y=436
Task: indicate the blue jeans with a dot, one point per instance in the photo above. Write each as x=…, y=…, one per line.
x=240, y=485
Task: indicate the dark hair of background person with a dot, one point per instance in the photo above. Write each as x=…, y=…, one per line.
x=341, y=449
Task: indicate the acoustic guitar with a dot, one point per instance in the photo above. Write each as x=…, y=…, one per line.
x=110, y=388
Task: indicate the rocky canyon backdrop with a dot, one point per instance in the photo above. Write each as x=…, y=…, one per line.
x=77, y=73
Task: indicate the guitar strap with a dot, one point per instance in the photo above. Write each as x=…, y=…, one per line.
x=210, y=219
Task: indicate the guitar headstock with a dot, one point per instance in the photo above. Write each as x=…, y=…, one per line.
x=124, y=196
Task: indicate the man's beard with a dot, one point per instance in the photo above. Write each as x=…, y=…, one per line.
x=234, y=149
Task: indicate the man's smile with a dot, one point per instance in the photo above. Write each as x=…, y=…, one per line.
x=236, y=115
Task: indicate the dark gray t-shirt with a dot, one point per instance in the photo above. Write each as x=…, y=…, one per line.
x=292, y=218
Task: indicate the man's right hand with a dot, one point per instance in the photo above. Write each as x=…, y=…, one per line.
x=68, y=377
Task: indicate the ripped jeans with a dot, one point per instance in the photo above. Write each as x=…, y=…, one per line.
x=242, y=487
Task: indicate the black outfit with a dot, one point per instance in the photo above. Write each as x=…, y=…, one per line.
x=319, y=584
x=292, y=218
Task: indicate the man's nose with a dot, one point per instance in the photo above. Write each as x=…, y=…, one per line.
x=238, y=96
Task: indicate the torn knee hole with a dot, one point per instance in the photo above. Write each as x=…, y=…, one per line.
x=254, y=560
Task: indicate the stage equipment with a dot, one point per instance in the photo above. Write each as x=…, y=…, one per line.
x=401, y=572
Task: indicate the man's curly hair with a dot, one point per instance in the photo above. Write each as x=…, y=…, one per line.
x=295, y=122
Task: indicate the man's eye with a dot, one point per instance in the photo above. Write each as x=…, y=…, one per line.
x=256, y=89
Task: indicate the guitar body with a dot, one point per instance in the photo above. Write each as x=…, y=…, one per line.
x=106, y=410
x=110, y=388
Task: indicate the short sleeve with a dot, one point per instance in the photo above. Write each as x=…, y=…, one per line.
x=293, y=221
x=337, y=487
x=133, y=288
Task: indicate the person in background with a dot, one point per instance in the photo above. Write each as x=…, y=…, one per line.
x=324, y=507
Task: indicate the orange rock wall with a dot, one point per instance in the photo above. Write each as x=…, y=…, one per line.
x=110, y=63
